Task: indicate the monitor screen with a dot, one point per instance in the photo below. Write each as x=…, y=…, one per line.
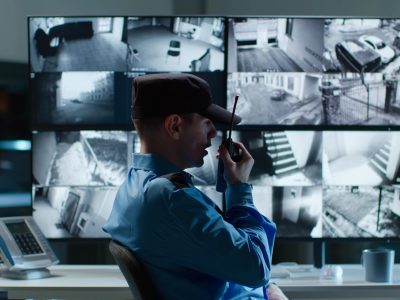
x=328, y=90
x=296, y=210
x=318, y=98
x=284, y=158
x=327, y=184
x=314, y=72
x=120, y=44
x=374, y=211
x=82, y=67
x=175, y=44
x=76, y=176
x=361, y=158
x=15, y=178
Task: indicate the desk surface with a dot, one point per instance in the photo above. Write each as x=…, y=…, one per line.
x=352, y=285
x=107, y=282
x=72, y=282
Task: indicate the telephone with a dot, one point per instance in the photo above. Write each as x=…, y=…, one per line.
x=24, y=249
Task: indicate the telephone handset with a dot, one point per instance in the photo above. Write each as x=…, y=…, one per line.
x=24, y=249
x=233, y=151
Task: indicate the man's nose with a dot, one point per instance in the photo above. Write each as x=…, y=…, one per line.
x=212, y=132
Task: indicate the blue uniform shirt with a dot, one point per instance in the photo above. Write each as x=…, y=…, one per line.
x=188, y=248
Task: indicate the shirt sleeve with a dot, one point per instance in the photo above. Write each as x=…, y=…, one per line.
x=238, y=249
x=243, y=215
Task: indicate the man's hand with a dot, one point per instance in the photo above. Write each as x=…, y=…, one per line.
x=236, y=172
x=275, y=293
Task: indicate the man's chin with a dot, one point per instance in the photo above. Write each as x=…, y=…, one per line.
x=199, y=163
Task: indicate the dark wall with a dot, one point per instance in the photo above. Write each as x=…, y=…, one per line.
x=14, y=107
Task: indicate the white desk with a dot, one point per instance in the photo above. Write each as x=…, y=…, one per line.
x=80, y=282
x=351, y=286
x=86, y=282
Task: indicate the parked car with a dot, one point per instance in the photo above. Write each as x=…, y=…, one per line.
x=277, y=94
x=328, y=63
x=357, y=57
x=376, y=44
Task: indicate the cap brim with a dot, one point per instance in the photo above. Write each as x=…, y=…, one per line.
x=220, y=115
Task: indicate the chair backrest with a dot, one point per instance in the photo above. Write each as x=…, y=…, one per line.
x=203, y=63
x=134, y=272
x=174, y=49
x=42, y=42
x=175, y=44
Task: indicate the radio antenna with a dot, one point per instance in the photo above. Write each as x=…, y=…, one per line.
x=233, y=115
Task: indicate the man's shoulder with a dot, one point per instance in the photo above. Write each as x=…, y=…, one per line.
x=178, y=179
x=166, y=183
x=159, y=183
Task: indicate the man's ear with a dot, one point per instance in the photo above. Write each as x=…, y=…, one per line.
x=173, y=126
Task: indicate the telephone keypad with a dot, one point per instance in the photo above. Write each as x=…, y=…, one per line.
x=27, y=243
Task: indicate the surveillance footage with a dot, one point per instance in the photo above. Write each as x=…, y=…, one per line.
x=355, y=99
x=361, y=158
x=275, y=44
x=315, y=99
x=59, y=44
x=361, y=211
x=361, y=45
x=296, y=210
x=284, y=158
x=319, y=100
x=73, y=98
x=184, y=44
x=276, y=98
x=81, y=158
x=120, y=44
x=71, y=212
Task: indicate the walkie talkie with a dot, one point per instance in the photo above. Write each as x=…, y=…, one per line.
x=233, y=152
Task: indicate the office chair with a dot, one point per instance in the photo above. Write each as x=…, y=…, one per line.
x=174, y=50
x=43, y=45
x=134, y=272
x=132, y=54
x=202, y=64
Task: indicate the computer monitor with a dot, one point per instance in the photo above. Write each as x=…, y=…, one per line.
x=81, y=72
x=318, y=98
x=82, y=67
x=320, y=109
x=314, y=72
x=76, y=176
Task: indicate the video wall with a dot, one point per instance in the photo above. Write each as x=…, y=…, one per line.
x=318, y=97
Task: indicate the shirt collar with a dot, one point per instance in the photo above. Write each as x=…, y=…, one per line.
x=156, y=164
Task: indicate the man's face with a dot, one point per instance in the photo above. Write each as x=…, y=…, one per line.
x=196, y=137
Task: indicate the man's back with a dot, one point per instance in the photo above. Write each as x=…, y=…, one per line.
x=141, y=220
x=188, y=249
